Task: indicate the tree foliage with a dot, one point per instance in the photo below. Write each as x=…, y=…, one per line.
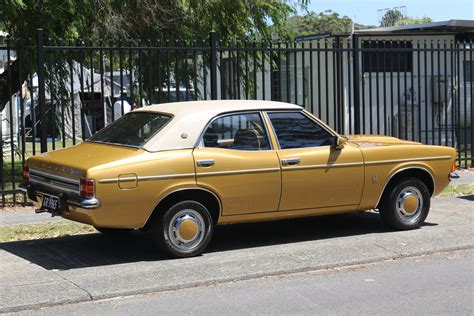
x=395, y=17
x=116, y=21
x=318, y=23
x=125, y=19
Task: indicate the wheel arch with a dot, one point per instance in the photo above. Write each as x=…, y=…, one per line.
x=204, y=196
x=412, y=171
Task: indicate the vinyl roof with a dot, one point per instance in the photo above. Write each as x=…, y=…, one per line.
x=190, y=118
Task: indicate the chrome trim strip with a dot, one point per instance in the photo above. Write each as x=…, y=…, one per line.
x=244, y=171
x=55, y=176
x=148, y=178
x=403, y=169
x=323, y=166
x=377, y=162
x=55, y=187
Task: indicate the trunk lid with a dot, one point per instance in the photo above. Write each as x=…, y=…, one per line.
x=76, y=160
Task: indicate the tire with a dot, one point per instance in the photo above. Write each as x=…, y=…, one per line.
x=183, y=230
x=114, y=231
x=406, y=204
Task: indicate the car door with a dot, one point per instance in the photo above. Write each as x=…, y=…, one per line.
x=235, y=160
x=314, y=173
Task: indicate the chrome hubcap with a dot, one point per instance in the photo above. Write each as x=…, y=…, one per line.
x=186, y=230
x=410, y=203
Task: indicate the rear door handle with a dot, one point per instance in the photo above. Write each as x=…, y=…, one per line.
x=290, y=161
x=205, y=163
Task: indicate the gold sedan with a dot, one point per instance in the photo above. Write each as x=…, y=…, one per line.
x=179, y=169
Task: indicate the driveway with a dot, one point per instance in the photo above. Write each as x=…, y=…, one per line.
x=89, y=267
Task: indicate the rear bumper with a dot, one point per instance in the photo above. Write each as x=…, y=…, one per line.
x=65, y=200
x=454, y=175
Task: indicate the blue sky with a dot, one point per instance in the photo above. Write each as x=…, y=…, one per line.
x=365, y=11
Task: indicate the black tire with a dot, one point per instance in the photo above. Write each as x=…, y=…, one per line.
x=166, y=232
x=114, y=231
x=392, y=205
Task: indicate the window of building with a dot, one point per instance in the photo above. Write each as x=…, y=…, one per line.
x=386, y=58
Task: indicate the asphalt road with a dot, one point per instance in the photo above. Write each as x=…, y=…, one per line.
x=91, y=267
x=437, y=284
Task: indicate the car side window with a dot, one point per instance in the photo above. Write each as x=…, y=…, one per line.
x=244, y=131
x=295, y=130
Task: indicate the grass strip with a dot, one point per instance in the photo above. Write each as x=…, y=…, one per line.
x=458, y=190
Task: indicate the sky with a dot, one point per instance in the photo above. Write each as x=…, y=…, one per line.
x=365, y=11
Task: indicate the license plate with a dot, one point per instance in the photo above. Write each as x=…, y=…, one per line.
x=50, y=203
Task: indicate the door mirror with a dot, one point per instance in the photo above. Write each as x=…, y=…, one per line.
x=339, y=142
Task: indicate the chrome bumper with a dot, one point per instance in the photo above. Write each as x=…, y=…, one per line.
x=454, y=175
x=65, y=199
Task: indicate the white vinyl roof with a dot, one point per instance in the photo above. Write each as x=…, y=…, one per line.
x=190, y=118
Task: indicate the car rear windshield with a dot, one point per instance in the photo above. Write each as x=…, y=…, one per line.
x=133, y=129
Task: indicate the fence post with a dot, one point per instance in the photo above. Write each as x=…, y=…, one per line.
x=213, y=44
x=356, y=78
x=41, y=93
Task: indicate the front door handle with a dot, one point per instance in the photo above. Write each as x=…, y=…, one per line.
x=205, y=163
x=290, y=161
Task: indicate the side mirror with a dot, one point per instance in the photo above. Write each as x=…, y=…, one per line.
x=339, y=142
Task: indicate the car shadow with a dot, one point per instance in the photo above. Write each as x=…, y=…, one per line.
x=72, y=252
x=467, y=197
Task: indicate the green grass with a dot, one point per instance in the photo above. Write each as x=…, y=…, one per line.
x=37, y=146
x=458, y=190
x=8, y=175
x=40, y=231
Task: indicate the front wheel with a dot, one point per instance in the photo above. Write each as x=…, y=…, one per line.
x=184, y=229
x=406, y=204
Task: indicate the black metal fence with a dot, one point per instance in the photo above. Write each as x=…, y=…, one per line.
x=59, y=93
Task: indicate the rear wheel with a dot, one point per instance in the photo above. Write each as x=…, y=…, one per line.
x=406, y=204
x=184, y=229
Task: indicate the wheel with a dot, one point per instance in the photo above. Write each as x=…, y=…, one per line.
x=406, y=204
x=184, y=229
x=114, y=231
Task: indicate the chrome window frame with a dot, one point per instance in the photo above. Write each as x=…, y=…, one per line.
x=200, y=141
x=330, y=132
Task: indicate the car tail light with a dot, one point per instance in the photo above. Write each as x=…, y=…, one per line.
x=87, y=188
x=453, y=167
x=26, y=174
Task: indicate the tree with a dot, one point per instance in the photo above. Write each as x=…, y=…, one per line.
x=318, y=23
x=131, y=20
x=395, y=17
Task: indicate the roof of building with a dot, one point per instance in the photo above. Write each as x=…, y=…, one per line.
x=190, y=118
x=450, y=26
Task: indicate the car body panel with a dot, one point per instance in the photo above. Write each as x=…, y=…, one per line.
x=325, y=177
x=246, y=181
